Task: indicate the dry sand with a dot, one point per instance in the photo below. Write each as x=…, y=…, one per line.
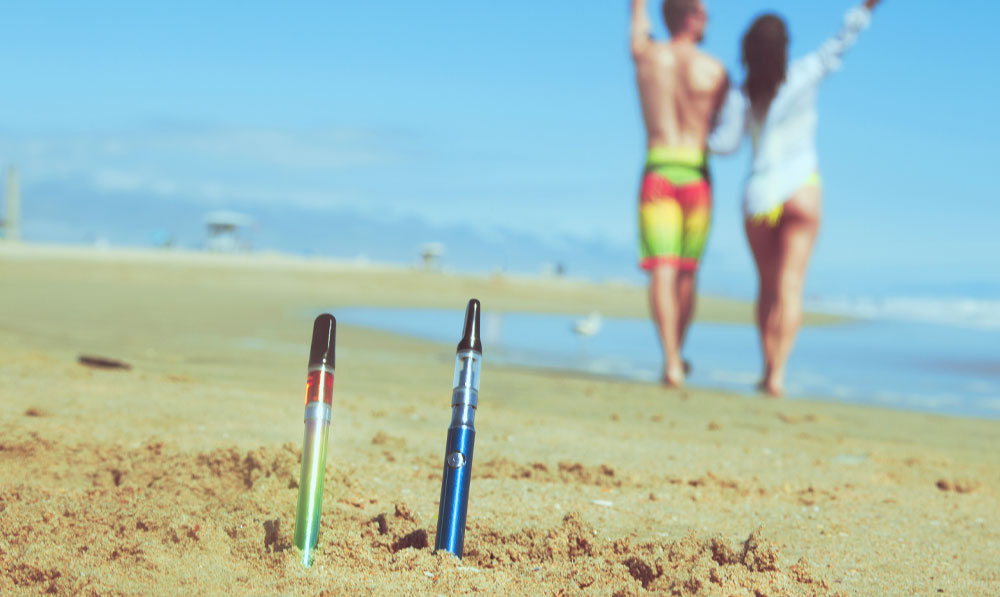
x=178, y=475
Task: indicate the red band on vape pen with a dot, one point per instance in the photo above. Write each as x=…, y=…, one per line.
x=319, y=386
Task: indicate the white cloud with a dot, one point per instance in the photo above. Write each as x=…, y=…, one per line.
x=47, y=155
x=121, y=181
x=211, y=192
x=302, y=168
x=294, y=150
x=370, y=171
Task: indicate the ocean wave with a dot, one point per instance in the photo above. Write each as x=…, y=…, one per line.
x=982, y=314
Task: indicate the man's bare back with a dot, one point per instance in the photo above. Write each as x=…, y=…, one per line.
x=681, y=88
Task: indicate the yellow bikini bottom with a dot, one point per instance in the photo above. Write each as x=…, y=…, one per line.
x=773, y=217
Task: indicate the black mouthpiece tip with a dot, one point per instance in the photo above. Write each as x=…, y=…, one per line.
x=324, y=341
x=471, y=333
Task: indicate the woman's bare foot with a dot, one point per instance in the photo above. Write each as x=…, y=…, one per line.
x=770, y=388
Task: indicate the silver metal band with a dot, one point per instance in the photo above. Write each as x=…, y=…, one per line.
x=318, y=411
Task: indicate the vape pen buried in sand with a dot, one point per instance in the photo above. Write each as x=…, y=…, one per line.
x=319, y=402
x=461, y=437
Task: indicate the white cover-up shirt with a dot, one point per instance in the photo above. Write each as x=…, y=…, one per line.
x=784, y=143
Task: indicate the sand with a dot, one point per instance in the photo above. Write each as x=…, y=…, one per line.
x=177, y=474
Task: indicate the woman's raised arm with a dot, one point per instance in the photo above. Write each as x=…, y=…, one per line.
x=829, y=57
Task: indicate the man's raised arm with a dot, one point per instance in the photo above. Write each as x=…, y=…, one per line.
x=641, y=29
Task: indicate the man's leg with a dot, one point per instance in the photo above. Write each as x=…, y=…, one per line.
x=696, y=197
x=665, y=309
x=686, y=299
x=660, y=227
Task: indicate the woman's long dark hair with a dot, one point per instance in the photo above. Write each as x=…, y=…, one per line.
x=765, y=57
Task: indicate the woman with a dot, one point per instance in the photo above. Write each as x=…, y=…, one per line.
x=776, y=106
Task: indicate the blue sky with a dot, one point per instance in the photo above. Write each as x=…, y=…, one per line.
x=517, y=116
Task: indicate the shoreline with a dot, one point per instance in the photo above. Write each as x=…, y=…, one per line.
x=610, y=298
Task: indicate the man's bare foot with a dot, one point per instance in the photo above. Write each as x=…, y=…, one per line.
x=687, y=367
x=673, y=377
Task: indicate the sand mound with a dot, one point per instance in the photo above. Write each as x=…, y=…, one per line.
x=578, y=558
x=122, y=519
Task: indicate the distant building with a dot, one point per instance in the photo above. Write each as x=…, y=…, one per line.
x=226, y=232
x=10, y=225
x=554, y=270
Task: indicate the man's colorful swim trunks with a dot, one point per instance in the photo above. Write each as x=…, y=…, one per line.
x=675, y=208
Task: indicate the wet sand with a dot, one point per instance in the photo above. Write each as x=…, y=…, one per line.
x=178, y=474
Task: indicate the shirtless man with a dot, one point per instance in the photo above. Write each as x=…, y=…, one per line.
x=681, y=90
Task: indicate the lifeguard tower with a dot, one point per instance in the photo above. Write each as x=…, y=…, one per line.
x=225, y=232
x=430, y=253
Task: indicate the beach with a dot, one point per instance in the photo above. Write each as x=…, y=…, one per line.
x=177, y=473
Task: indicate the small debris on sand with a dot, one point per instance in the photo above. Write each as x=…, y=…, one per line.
x=102, y=362
x=958, y=486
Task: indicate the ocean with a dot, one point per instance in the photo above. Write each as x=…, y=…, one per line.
x=935, y=355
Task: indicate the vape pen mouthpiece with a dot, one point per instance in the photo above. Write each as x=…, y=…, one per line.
x=323, y=350
x=471, y=334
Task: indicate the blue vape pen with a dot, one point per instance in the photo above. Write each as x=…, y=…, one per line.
x=461, y=437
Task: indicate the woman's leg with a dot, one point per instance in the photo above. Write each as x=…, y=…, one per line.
x=796, y=236
x=764, y=244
